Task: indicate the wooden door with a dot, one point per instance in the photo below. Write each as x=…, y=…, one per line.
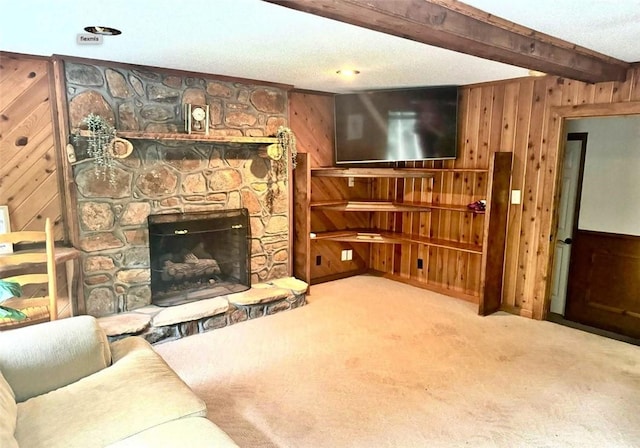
x=604, y=282
x=570, y=188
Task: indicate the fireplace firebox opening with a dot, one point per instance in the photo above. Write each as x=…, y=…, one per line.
x=199, y=255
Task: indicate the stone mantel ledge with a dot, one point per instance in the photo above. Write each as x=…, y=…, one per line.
x=158, y=324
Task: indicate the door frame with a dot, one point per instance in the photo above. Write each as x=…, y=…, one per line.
x=557, y=129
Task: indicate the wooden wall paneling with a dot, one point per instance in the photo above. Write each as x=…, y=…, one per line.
x=483, y=148
x=389, y=223
x=24, y=123
x=511, y=120
x=568, y=92
x=398, y=226
x=497, y=112
x=515, y=270
x=381, y=191
x=39, y=199
x=21, y=178
x=463, y=259
x=375, y=223
x=463, y=127
x=466, y=223
x=459, y=222
x=588, y=93
x=27, y=146
x=415, y=251
x=603, y=92
x=473, y=138
x=19, y=74
x=451, y=222
x=311, y=119
x=489, y=141
x=476, y=231
x=550, y=157
x=508, y=135
x=470, y=128
x=332, y=266
x=424, y=227
x=405, y=251
x=302, y=219
x=531, y=195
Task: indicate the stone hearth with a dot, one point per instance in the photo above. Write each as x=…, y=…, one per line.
x=162, y=324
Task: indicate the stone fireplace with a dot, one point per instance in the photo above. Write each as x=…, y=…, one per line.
x=199, y=255
x=168, y=177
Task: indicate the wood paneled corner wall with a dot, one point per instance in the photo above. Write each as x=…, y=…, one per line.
x=523, y=116
x=29, y=172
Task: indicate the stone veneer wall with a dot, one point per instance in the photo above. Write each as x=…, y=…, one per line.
x=171, y=176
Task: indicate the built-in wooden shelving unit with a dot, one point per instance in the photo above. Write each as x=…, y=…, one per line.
x=410, y=224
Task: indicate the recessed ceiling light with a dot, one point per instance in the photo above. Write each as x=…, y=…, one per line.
x=102, y=30
x=348, y=72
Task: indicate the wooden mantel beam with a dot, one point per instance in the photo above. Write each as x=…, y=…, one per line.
x=456, y=26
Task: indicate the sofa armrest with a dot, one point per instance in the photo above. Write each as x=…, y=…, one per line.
x=43, y=357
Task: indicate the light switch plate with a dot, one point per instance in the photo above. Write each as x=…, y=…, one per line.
x=515, y=197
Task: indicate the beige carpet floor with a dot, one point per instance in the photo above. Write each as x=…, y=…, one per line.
x=370, y=362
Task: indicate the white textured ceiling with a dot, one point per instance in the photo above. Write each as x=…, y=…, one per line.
x=257, y=40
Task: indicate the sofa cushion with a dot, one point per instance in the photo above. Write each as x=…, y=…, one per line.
x=40, y=358
x=194, y=432
x=138, y=391
x=8, y=415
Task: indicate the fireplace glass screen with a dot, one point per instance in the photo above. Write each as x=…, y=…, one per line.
x=199, y=255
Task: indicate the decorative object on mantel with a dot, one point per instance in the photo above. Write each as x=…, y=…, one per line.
x=102, y=145
x=196, y=119
x=287, y=141
x=273, y=152
x=121, y=148
x=280, y=153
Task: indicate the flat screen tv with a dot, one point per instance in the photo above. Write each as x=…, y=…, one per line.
x=396, y=125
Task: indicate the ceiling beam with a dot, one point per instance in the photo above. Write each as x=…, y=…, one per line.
x=459, y=27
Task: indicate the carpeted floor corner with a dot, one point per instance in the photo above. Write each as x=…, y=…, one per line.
x=370, y=362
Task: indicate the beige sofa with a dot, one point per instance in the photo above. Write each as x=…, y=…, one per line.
x=63, y=385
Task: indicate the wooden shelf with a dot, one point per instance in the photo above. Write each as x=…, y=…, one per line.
x=372, y=172
x=344, y=205
x=447, y=207
x=389, y=172
x=370, y=206
x=386, y=237
x=195, y=137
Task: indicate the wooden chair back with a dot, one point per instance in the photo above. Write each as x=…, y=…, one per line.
x=31, y=267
